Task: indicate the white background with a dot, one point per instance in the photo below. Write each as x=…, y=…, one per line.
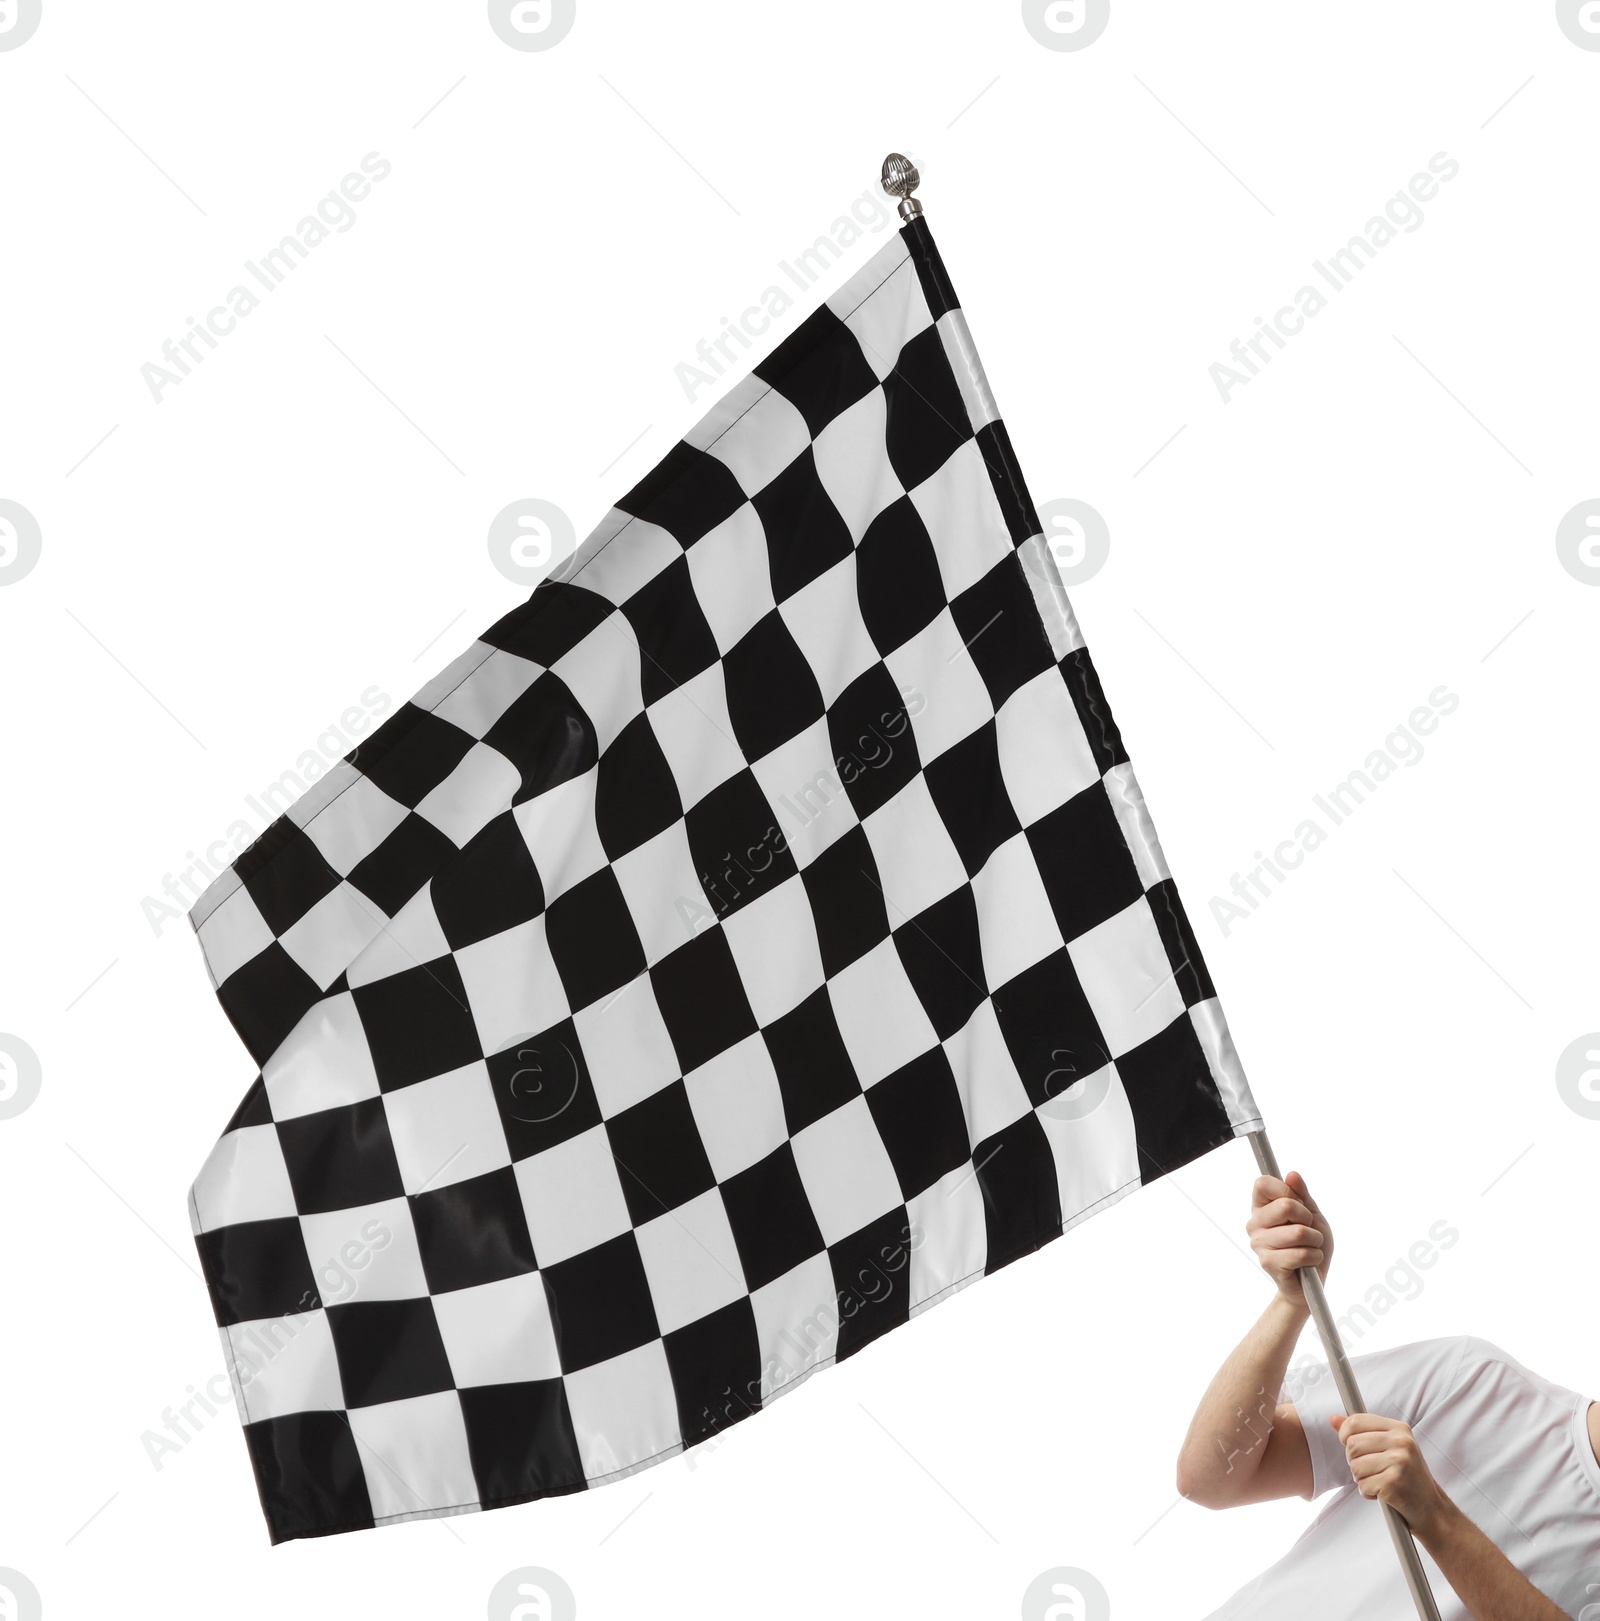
x=305, y=518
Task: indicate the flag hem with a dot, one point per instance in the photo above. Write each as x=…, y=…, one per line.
x=589, y=1482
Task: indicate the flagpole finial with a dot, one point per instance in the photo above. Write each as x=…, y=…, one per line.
x=900, y=179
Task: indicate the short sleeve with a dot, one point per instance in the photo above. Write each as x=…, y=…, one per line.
x=1406, y=1383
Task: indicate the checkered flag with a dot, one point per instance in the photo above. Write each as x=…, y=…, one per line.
x=755, y=937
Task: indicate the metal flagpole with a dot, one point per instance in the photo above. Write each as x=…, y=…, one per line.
x=1345, y=1381
x=900, y=179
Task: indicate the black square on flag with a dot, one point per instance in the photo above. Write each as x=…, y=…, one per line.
x=418, y=1023
x=389, y=1350
x=600, y=1303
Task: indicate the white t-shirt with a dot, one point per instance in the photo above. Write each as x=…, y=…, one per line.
x=1511, y=1450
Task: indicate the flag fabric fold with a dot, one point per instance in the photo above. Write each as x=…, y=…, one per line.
x=754, y=937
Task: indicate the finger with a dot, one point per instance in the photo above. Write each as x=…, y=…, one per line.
x=1292, y=1235
x=1298, y=1184
x=1283, y=1213
x=1278, y=1254
x=1268, y=1188
x=1291, y=1260
x=1368, y=1443
x=1302, y=1192
x=1362, y=1423
x=1366, y=1468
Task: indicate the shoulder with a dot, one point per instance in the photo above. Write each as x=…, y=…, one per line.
x=1403, y=1381
x=1466, y=1366
x=1468, y=1351
x=1406, y=1380
x=1452, y=1353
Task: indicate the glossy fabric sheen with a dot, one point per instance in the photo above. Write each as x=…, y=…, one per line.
x=754, y=937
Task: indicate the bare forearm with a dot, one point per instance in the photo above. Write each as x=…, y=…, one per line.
x=1228, y=1436
x=1490, y=1586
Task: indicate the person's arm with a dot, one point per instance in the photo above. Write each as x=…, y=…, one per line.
x=1243, y=1446
x=1388, y=1467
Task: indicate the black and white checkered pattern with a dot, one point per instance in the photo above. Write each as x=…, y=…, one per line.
x=755, y=937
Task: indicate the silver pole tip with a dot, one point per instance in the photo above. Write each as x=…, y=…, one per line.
x=900, y=179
